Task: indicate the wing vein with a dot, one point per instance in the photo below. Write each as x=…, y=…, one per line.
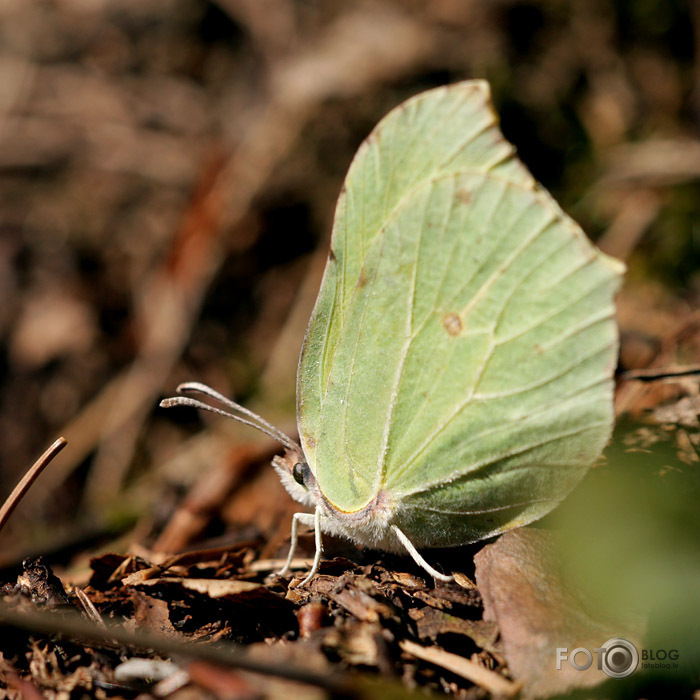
x=352, y=375
x=541, y=321
x=532, y=414
x=481, y=511
x=484, y=364
x=402, y=361
x=417, y=134
x=474, y=468
x=527, y=242
x=482, y=129
x=534, y=268
x=552, y=378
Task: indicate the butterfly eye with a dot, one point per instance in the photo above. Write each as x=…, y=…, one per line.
x=298, y=472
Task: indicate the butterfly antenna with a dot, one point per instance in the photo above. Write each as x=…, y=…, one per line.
x=255, y=421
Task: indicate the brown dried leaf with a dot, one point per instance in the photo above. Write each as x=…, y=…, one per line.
x=537, y=611
x=360, y=644
x=152, y=614
x=347, y=592
x=464, y=581
x=214, y=588
x=311, y=617
x=447, y=597
x=103, y=567
x=431, y=622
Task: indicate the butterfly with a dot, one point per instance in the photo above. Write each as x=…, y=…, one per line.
x=455, y=380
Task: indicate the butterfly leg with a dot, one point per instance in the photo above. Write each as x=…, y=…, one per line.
x=319, y=547
x=415, y=555
x=310, y=521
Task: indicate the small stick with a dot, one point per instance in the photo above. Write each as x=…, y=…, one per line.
x=28, y=479
x=652, y=375
x=90, y=609
x=493, y=682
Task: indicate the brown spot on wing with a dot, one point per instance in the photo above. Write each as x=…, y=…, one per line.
x=452, y=323
x=464, y=195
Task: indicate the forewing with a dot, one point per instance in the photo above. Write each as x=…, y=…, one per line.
x=463, y=350
x=447, y=130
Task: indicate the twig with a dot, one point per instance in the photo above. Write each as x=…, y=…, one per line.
x=494, y=682
x=631, y=395
x=70, y=625
x=28, y=479
x=88, y=606
x=652, y=375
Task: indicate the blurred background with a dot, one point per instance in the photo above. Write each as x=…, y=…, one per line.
x=168, y=174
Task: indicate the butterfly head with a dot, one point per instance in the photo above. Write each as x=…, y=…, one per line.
x=296, y=476
x=292, y=467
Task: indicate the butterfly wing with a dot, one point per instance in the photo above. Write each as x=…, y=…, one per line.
x=462, y=344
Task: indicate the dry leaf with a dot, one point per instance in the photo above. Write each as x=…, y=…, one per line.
x=537, y=612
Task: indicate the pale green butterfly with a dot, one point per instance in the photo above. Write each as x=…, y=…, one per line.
x=456, y=376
